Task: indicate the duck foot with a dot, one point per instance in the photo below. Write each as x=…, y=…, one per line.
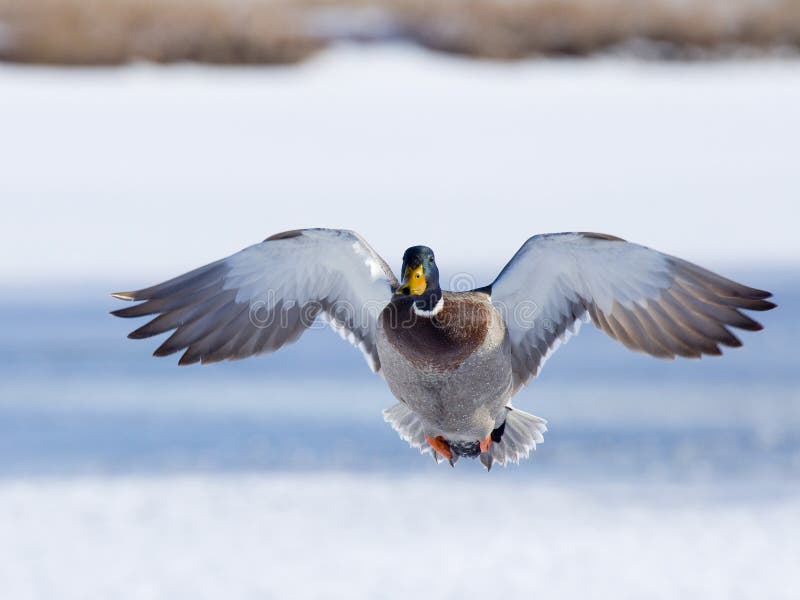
x=441, y=447
x=486, y=456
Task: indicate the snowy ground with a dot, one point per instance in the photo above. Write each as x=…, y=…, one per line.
x=358, y=536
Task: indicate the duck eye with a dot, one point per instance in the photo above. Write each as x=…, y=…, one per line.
x=417, y=275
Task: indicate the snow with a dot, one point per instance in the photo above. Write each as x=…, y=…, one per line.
x=143, y=172
x=361, y=536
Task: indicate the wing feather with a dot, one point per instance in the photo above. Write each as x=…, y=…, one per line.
x=266, y=296
x=649, y=301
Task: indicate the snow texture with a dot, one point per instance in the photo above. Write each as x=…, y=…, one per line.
x=360, y=536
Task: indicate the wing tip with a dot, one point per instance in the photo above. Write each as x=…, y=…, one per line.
x=756, y=300
x=285, y=235
x=186, y=360
x=129, y=296
x=593, y=235
x=164, y=349
x=136, y=310
x=766, y=304
x=138, y=335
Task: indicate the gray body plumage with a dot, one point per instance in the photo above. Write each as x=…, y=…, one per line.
x=463, y=403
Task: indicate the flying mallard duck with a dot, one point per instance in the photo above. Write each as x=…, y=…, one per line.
x=454, y=360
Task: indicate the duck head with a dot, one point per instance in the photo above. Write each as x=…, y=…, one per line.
x=421, y=280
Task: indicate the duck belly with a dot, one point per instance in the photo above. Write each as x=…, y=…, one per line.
x=460, y=402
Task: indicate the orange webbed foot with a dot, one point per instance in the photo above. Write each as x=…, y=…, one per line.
x=486, y=456
x=440, y=446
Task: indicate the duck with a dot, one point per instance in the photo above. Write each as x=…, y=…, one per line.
x=453, y=359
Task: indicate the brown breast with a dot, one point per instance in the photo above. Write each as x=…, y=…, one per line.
x=443, y=342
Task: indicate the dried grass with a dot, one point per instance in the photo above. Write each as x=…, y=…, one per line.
x=116, y=31
x=283, y=31
x=513, y=29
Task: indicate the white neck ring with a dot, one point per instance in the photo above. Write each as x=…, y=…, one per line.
x=429, y=313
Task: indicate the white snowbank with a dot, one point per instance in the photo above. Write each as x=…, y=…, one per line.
x=360, y=536
x=143, y=172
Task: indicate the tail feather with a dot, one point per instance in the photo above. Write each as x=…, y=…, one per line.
x=409, y=427
x=518, y=435
x=521, y=433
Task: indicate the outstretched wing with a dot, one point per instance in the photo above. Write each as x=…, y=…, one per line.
x=267, y=295
x=649, y=301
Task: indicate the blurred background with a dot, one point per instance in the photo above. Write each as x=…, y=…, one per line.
x=142, y=138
